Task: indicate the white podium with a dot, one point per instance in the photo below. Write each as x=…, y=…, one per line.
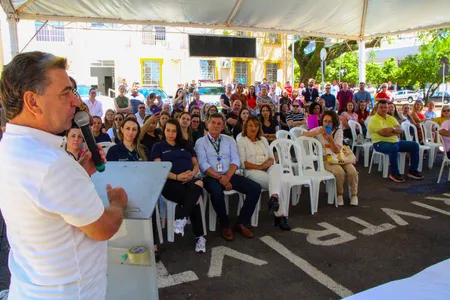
x=143, y=182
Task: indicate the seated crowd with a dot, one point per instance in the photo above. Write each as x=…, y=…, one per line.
x=229, y=150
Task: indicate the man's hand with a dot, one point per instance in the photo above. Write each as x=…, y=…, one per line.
x=88, y=164
x=228, y=186
x=224, y=179
x=117, y=195
x=386, y=131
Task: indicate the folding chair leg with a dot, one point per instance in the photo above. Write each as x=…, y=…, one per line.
x=158, y=225
x=442, y=169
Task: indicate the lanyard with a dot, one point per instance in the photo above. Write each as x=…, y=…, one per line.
x=131, y=155
x=215, y=145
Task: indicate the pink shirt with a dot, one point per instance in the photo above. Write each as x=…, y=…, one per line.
x=313, y=121
x=446, y=125
x=349, y=117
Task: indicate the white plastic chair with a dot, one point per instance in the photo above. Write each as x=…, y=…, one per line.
x=297, y=131
x=255, y=216
x=288, y=177
x=283, y=134
x=383, y=162
x=366, y=122
x=212, y=212
x=105, y=146
x=445, y=161
x=158, y=224
x=170, y=207
x=311, y=150
x=366, y=145
x=407, y=126
x=432, y=139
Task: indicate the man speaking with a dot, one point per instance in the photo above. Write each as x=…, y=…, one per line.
x=56, y=223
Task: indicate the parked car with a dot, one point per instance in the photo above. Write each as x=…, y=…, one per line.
x=210, y=91
x=437, y=97
x=404, y=96
x=158, y=91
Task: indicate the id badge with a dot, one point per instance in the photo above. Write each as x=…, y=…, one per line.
x=310, y=98
x=219, y=167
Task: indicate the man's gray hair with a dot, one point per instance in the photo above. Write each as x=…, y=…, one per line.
x=26, y=72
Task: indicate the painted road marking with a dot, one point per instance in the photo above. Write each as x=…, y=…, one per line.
x=218, y=254
x=313, y=236
x=371, y=229
x=395, y=215
x=166, y=280
x=444, y=212
x=307, y=267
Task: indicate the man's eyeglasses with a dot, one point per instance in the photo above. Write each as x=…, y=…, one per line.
x=75, y=92
x=195, y=121
x=141, y=107
x=295, y=105
x=445, y=110
x=327, y=88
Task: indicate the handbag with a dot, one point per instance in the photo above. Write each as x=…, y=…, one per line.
x=345, y=156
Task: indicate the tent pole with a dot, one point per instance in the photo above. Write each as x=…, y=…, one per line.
x=14, y=40
x=362, y=60
x=293, y=60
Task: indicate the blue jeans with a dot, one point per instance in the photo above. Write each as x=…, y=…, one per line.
x=392, y=149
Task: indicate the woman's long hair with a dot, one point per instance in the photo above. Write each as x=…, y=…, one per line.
x=140, y=149
x=189, y=129
x=334, y=118
x=108, y=124
x=115, y=129
x=261, y=118
x=250, y=94
x=240, y=121
x=179, y=139
x=257, y=122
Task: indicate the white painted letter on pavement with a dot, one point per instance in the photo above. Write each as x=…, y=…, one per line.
x=166, y=280
x=395, y=215
x=218, y=254
x=307, y=267
x=371, y=229
x=313, y=236
x=441, y=211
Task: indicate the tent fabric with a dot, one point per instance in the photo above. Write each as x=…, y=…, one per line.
x=350, y=19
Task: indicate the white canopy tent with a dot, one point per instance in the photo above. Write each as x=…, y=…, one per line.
x=347, y=19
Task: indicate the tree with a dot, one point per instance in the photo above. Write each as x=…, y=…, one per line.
x=309, y=62
x=347, y=64
x=422, y=69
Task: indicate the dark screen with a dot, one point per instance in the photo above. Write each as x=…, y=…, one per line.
x=222, y=46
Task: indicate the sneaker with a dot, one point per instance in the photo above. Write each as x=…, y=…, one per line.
x=396, y=178
x=415, y=175
x=178, y=226
x=354, y=200
x=340, y=200
x=200, y=246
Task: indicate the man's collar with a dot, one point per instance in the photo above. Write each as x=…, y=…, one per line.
x=213, y=139
x=43, y=136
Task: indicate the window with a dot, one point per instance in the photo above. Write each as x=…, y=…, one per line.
x=208, y=69
x=153, y=35
x=151, y=72
x=271, y=72
x=241, y=73
x=51, y=32
x=272, y=38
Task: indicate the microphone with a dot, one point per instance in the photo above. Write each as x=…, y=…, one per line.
x=81, y=118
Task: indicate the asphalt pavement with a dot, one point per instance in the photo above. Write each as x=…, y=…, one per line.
x=396, y=231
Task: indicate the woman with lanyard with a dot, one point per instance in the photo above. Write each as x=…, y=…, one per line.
x=128, y=148
x=182, y=186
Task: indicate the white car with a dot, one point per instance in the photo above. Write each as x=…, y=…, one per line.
x=404, y=96
x=210, y=93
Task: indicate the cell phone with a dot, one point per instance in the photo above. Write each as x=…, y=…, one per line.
x=328, y=128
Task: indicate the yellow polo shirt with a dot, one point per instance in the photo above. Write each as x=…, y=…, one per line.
x=377, y=123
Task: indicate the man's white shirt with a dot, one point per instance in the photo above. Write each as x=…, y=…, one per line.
x=44, y=196
x=139, y=119
x=95, y=109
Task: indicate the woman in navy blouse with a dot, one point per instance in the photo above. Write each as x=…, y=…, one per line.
x=182, y=185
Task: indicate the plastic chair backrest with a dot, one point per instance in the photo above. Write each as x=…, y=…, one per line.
x=366, y=122
x=427, y=128
x=353, y=127
x=311, y=151
x=406, y=126
x=441, y=139
x=283, y=152
x=238, y=136
x=283, y=134
x=297, y=132
x=106, y=145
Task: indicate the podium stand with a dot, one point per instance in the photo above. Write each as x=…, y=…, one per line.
x=143, y=182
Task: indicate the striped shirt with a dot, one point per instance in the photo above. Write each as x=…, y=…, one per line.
x=293, y=116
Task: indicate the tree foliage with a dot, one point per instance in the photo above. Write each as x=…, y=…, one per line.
x=309, y=62
x=422, y=69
